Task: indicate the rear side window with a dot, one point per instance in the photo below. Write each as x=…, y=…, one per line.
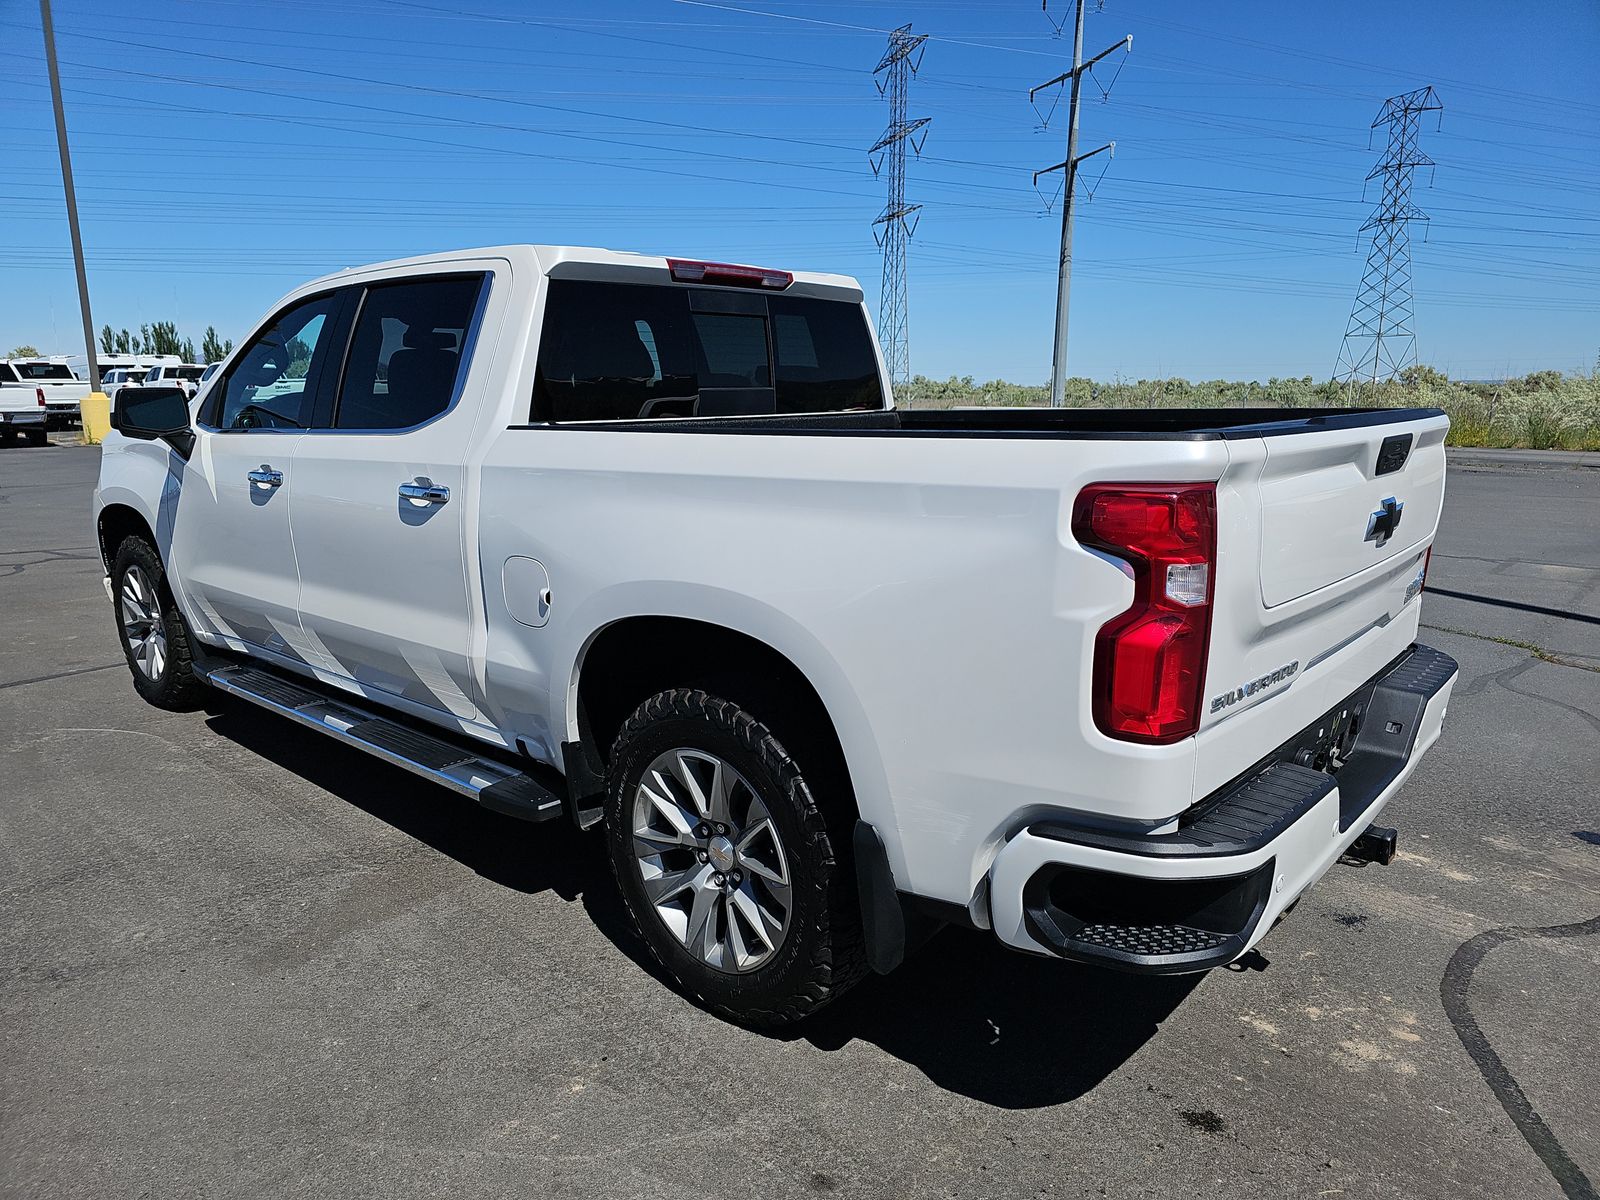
x=406, y=354
x=614, y=352
x=624, y=352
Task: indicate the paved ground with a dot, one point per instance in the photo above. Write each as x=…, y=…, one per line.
x=237, y=960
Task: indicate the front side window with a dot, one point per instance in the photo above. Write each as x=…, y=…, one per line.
x=273, y=384
x=623, y=352
x=406, y=354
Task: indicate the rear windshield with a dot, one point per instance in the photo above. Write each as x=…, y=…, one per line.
x=625, y=352
x=43, y=370
x=184, y=372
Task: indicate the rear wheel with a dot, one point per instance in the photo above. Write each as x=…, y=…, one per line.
x=154, y=635
x=725, y=861
x=38, y=437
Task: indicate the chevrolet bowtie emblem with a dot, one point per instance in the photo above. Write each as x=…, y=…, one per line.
x=1382, y=524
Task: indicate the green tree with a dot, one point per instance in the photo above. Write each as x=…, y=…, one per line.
x=213, y=348
x=299, y=359
x=161, y=338
x=188, y=350
x=108, y=341
x=125, y=343
x=24, y=352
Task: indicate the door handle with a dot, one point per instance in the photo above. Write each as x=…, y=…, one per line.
x=265, y=477
x=424, y=492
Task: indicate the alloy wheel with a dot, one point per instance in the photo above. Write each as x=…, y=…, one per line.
x=140, y=612
x=711, y=860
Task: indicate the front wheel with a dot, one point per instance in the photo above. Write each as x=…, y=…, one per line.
x=154, y=635
x=725, y=861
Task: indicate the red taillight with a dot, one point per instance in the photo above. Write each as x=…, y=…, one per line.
x=1150, y=662
x=728, y=274
x=1427, y=561
x=40, y=393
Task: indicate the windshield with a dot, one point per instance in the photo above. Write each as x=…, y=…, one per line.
x=190, y=373
x=30, y=370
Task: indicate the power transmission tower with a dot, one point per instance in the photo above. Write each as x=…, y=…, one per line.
x=898, y=64
x=1058, y=372
x=1379, y=341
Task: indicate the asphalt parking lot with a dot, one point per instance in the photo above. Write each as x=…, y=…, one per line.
x=237, y=960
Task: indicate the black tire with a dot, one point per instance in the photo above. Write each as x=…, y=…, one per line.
x=38, y=437
x=821, y=954
x=174, y=686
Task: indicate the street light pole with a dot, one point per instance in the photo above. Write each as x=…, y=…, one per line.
x=72, y=197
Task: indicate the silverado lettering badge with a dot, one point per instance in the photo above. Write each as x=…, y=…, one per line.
x=1229, y=699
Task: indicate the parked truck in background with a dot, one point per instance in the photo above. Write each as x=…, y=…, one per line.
x=23, y=412
x=62, y=389
x=178, y=374
x=644, y=543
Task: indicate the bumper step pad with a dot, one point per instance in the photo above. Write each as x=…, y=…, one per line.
x=493, y=784
x=1151, y=939
x=1169, y=925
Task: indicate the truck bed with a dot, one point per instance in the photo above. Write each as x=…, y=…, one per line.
x=1087, y=424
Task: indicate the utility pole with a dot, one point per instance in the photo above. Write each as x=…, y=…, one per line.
x=72, y=196
x=900, y=62
x=1058, y=373
x=1380, y=342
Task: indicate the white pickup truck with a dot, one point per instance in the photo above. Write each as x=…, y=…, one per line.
x=180, y=375
x=22, y=411
x=643, y=542
x=61, y=389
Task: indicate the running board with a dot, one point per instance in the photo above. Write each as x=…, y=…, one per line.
x=495, y=785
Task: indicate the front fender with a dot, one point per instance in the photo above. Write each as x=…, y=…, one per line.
x=146, y=477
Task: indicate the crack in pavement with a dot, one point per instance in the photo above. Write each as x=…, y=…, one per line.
x=1539, y=652
x=1453, y=990
x=58, y=675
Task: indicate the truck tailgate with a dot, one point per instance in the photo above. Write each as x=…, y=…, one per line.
x=1335, y=504
x=1319, y=549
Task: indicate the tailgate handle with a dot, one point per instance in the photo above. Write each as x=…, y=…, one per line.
x=1393, y=453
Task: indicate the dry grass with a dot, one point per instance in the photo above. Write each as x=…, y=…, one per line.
x=1543, y=411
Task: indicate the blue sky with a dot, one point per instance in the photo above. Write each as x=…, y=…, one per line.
x=226, y=150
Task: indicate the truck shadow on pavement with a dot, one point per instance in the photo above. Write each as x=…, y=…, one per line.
x=988, y=1023
x=999, y=1026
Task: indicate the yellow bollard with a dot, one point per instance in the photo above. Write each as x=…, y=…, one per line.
x=94, y=411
